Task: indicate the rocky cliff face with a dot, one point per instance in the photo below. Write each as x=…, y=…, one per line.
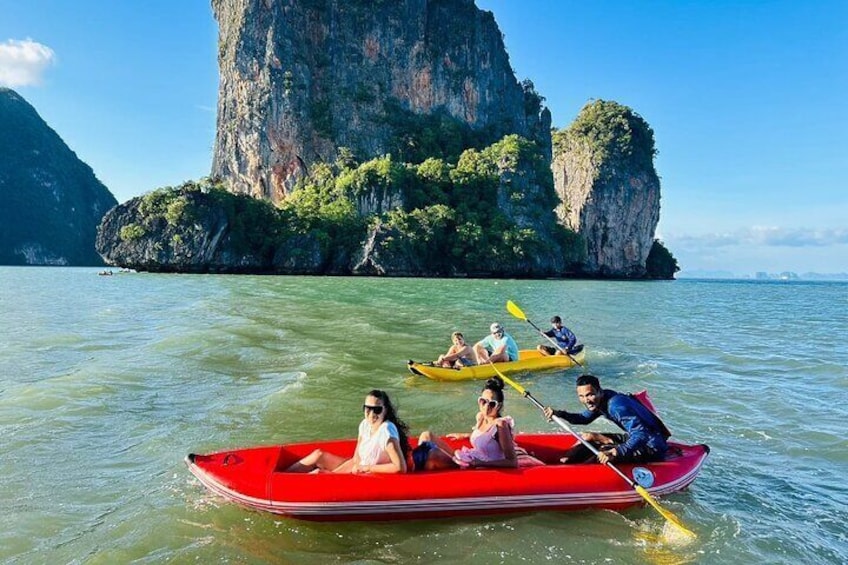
x=610, y=192
x=138, y=235
x=301, y=78
x=200, y=227
x=315, y=93
x=50, y=202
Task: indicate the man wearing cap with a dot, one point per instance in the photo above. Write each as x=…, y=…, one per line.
x=496, y=347
x=564, y=337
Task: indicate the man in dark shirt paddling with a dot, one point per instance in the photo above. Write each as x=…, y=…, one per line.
x=565, y=339
x=646, y=435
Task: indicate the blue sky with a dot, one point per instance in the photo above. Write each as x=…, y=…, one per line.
x=746, y=99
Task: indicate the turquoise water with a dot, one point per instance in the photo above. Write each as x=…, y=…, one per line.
x=107, y=382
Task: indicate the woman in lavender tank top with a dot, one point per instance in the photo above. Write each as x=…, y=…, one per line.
x=492, y=439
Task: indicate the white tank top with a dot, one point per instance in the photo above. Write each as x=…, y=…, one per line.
x=372, y=446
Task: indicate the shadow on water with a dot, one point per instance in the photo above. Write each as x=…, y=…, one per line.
x=580, y=537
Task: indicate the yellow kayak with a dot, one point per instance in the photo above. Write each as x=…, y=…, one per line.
x=528, y=360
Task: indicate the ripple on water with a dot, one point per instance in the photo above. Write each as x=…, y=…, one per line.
x=106, y=387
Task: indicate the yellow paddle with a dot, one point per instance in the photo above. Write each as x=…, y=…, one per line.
x=638, y=488
x=513, y=309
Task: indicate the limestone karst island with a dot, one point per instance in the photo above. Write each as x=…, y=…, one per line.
x=363, y=137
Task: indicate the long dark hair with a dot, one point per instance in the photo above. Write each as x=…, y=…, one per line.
x=496, y=385
x=391, y=416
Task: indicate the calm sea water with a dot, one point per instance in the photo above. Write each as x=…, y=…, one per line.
x=107, y=382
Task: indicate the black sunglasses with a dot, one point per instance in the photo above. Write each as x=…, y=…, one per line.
x=377, y=410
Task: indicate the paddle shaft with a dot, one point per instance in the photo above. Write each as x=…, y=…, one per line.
x=579, y=437
x=637, y=487
x=513, y=309
x=560, y=421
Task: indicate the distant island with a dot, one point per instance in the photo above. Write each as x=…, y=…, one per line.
x=761, y=275
x=50, y=201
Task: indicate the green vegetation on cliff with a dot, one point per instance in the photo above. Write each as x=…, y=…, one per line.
x=449, y=219
x=616, y=135
x=417, y=137
x=440, y=217
x=50, y=201
x=176, y=215
x=661, y=264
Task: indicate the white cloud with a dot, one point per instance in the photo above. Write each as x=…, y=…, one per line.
x=759, y=248
x=800, y=237
x=22, y=63
x=766, y=237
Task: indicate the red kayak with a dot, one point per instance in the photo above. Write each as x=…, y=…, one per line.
x=253, y=477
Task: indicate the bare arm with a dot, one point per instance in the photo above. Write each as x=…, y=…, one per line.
x=453, y=354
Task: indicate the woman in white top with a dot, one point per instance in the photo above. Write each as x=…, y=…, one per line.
x=380, y=448
x=492, y=439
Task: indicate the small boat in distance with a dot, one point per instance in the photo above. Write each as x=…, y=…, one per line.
x=528, y=360
x=256, y=478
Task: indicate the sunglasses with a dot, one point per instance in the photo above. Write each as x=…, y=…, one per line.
x=377, y=410
x=489, y=403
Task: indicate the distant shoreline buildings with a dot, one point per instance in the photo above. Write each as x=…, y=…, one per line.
x=762, y=276
x=784, y=276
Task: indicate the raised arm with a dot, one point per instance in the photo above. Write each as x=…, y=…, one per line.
x=581, y=418
x=455, y=353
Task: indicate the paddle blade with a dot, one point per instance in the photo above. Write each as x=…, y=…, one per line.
x=666, y=514
x=513, y=309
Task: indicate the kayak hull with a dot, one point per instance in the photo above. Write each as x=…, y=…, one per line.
x=529, y=360
x=255, y=478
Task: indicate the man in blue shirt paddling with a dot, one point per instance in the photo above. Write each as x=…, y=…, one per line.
x=646, y=435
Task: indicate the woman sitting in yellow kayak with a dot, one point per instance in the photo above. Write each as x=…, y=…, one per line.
x=458, y=356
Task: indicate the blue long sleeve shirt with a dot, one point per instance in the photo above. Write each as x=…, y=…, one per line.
x=630, y=415
x=564, y=337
